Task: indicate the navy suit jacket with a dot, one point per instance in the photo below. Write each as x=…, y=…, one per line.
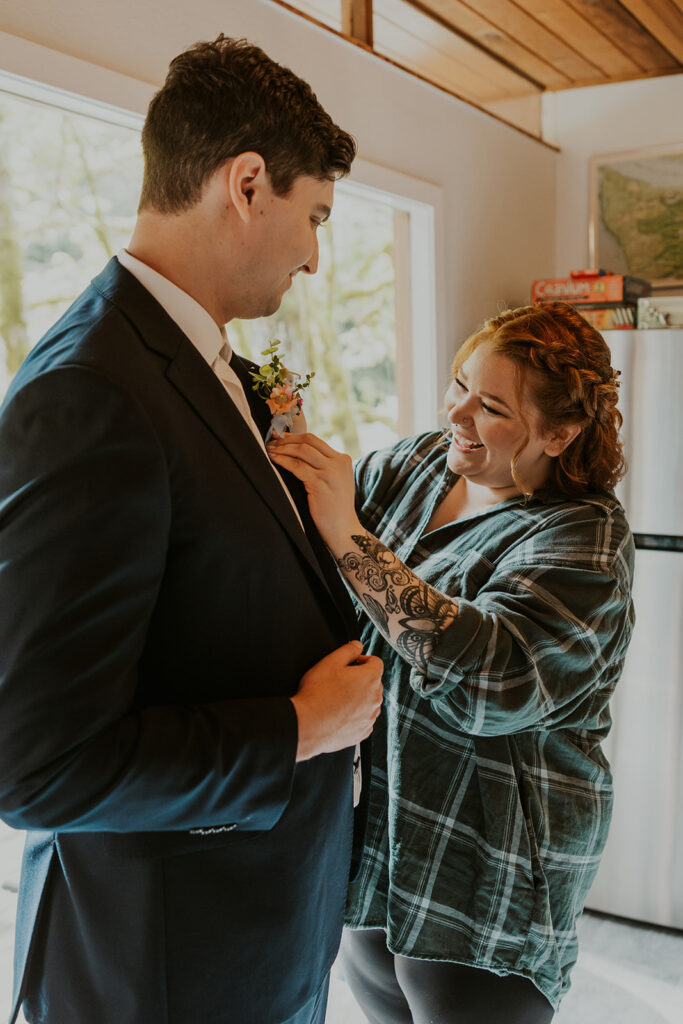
x=160, y=604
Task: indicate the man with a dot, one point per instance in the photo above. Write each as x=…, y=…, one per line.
x=179, y=699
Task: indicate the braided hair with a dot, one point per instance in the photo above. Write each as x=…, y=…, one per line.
x=566, y=364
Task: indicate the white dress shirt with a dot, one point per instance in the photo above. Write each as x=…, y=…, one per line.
x=210, y=340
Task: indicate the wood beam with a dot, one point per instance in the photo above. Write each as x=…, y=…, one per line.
x=357, y=20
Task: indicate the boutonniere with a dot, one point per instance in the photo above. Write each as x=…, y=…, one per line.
x=281, y=390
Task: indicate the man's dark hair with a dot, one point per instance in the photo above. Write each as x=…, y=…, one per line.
x=227, y=97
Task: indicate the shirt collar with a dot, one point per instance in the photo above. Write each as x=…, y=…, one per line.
x=192, y=319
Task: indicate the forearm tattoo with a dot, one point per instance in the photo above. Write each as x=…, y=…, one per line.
x=405, y=609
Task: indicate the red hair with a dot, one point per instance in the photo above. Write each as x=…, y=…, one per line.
x=566, y=365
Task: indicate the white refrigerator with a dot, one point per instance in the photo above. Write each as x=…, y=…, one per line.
x=641, y=874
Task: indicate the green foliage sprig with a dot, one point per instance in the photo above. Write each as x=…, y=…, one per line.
x=274, y=374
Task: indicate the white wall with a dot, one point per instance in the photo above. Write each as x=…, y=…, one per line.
x=498, y=220
x=603, y=119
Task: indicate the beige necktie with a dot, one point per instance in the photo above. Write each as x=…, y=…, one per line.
x=233, y=385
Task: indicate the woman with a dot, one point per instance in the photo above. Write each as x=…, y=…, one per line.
x=495, y=578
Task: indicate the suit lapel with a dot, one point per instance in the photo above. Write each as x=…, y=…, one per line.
x=262, y=418
x=201, y=388
x=189, y=373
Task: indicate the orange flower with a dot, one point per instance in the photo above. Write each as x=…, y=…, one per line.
x=277, y=407
x=282, y=399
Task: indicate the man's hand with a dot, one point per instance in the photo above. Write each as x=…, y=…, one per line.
x=338, y=701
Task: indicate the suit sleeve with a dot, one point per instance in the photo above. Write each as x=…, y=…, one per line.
x=84, y=522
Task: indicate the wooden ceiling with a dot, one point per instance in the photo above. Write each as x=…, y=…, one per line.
x=497, y=53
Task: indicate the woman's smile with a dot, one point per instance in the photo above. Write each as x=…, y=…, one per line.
x=489, y=419
x=463, y=443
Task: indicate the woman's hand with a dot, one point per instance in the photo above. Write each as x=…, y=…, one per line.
x=405, y=609
x=327, y=476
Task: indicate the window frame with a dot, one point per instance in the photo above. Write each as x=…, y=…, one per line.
x=417, y=378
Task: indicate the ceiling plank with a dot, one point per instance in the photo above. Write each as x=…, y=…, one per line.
x=663, y=19
x=471, y=26
x=612, y=18
x=411, y=53
x=443, y=56
x=357, y=20
x=519, y=25
x=431, y=44
x=328, y=11
x=565, y=22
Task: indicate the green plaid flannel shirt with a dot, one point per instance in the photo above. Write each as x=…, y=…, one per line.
x=490, y=796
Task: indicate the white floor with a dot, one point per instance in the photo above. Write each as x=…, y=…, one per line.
x=626, y=973
x=11, y=845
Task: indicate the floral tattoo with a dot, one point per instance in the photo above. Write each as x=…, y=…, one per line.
x=397, y=592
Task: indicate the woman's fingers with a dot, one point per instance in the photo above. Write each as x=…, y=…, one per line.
x=302, y=454
x=296, y=441
x=310, y=449
x=298, y=467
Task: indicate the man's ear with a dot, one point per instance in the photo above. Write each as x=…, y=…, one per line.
x=246, y=174
x=561, y=438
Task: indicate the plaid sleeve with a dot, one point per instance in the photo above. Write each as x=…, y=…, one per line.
x=543, y=642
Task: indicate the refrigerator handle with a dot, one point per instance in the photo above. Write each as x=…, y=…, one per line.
x=658, y=541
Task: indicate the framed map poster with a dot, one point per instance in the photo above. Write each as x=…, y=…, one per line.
x=636, y=216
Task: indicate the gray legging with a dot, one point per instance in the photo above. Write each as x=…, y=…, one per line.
x=401, y=990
